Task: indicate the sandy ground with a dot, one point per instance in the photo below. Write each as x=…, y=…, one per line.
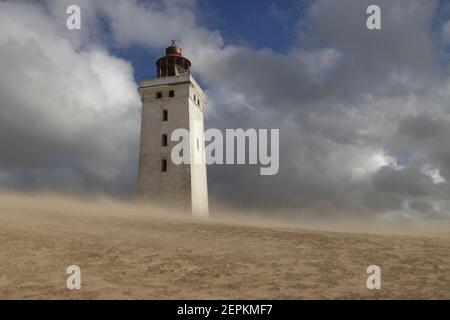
x=126, y=253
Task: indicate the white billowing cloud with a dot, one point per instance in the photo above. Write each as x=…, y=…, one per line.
x=433, y=173
x=152, y=24
x=370, y=163
x=368, y=110
x=317, y=63
x=149, y=24
x=363, y=117
x=446, y=32
x=66, y=114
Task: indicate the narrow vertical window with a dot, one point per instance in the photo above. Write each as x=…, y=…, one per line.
x=164, y=140
x=165, y=115
x=158, y=95
x=163, y=165
x=198, y=144
x=171, y=93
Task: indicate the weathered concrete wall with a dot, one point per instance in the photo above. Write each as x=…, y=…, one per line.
x=183, y=185
x=199, y=184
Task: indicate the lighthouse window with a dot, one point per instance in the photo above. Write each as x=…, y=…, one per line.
x=158, y=95
x=164, y=140
x=163, y=165
x=171, y=93
x=165, y=115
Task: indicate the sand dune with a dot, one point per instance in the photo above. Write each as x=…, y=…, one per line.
x=135, y=252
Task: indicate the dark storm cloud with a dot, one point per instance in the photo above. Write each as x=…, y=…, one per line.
x=426, y=134
x=423, y=127
x=67, y=118
x=363, y=115
x=354, y=97
x=408, y=182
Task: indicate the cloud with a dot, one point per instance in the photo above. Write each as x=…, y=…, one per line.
x=446, y=32
x=363, y=115
x=67, y=115
x=343, y=100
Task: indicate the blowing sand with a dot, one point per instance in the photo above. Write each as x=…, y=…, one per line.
x=133, y=252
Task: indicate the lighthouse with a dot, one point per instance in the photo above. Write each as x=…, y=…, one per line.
x=170, y=101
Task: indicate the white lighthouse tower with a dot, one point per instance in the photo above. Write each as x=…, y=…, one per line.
x=173, y=100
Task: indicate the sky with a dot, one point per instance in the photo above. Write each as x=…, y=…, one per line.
x=363, y=114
